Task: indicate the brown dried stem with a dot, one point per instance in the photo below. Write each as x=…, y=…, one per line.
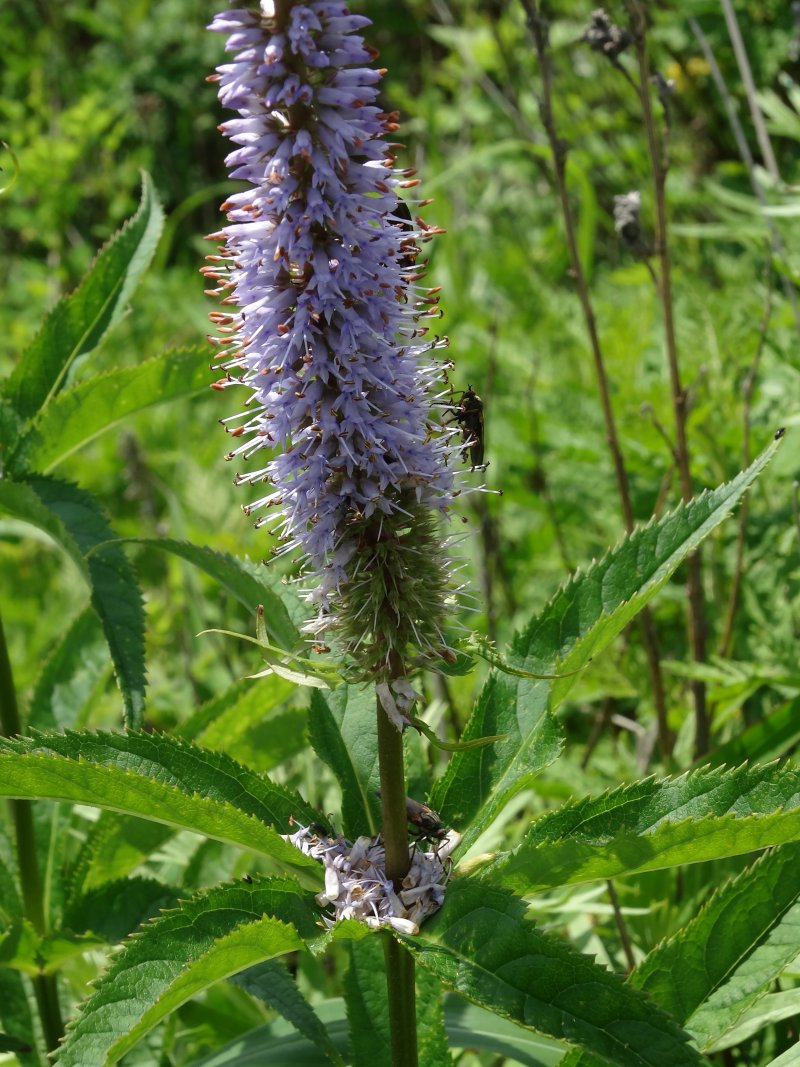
x=659, y=164
x=558, y=147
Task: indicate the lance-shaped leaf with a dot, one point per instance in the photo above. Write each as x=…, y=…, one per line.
x=83, y=412
x=70, y=675
x=343, y=732
x=481, y=945
x=273, y=984
x=704, y=815
x=75, y=520
x=177, y=957
x=367, y=1003
x=78, y=323
x=579, y=622
x=730, y=953
x=161, y=779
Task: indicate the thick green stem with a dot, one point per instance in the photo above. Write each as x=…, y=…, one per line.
x=399, y=962
x=44, y=985
x=402, y=1003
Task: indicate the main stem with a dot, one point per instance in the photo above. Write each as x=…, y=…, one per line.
x=659, y=166
x=399, y=961
x=558, y=149
x=44, y=985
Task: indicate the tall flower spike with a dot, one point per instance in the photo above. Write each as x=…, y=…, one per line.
x=319, y=269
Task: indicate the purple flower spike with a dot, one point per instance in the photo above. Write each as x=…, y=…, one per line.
x=319, y=269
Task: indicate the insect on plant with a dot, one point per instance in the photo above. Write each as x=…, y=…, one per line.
x=468, y=413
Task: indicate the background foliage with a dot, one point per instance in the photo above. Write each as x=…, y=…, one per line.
x=92, y=93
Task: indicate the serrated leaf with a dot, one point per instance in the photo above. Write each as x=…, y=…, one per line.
x=272, y=983
x=158, y=778
x=481, y=945
x=114, y=847
x=20, y=500
x=115, y=909
x=367, y=1003
x=174, y=958
x=114, y=589
x=70, y=675
x=81, y=413
x=581, y=620
x=651, y=825
x=78, y=323
x=343, y=732
x=727, y=956
x=251, y=729
x=247, y=582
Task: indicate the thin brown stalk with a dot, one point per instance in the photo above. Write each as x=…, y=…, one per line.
x=558, y=147
x=748, y=387
x=659, y=166
x=622, y=929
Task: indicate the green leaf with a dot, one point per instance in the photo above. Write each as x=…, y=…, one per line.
x=772, y=1008
x=468, y=1026
x=651, y=825
x=272, y=983
x=769, y=737
x=75, y=520
x=247, y=582
x=15, y=1011
x=250, y=728
x=84, y=411
x=578, y=623
x=432, y=1041
x=175, y=958
x=789, y=1058
x=70, y=675
x=367, y=1003
x=78, y=323
x=478, y=783
x=114, y=847
x=727, y=956
x=481, y=945
x=114, y=589
x=343, y=731
x=161, y=779
x=115, y=909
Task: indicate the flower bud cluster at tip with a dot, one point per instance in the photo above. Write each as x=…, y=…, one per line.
x=324, y=317
x=356, y=885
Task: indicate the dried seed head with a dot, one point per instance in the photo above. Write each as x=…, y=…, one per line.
x=603, y=36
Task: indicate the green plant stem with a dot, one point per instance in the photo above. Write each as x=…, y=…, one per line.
x=402, y=1003
x=44, y=985
x=659, y=165
x=558, y=148
x=399, y=962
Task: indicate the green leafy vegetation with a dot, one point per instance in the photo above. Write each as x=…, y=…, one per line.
x=613, y=734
